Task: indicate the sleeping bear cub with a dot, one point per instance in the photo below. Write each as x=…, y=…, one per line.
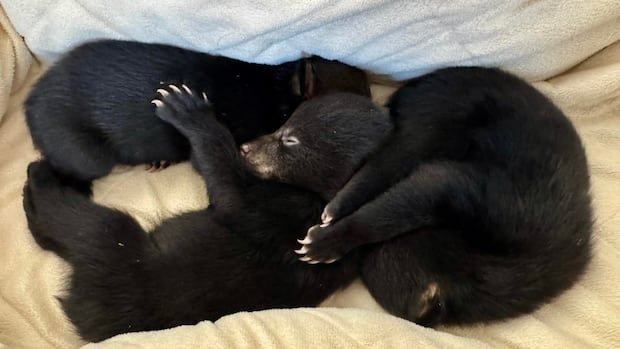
x=90, y=110
x=236, y=255
x=476, y=209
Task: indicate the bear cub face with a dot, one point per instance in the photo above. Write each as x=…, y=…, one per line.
x=322, y=144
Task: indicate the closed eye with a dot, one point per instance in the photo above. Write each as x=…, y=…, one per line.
x=290, y=140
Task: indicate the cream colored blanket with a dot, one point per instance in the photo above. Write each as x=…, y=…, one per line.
x=588, y=315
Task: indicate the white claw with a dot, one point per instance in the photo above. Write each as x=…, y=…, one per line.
x=163, y=92
x=324, y=225
x=330, y=261
x=305, y=241
x=313, y=262
x=174, y=88
x=157, y=103
x=204, y=96
x=186, y=89
x=305, y=259
x=302, y=250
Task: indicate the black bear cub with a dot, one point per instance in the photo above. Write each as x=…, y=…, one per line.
x=90, y=110
x=476, y=209
x=236, y=255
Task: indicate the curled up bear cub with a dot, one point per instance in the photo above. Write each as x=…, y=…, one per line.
x=476, y=209
x=91, y=111
x=237, y=254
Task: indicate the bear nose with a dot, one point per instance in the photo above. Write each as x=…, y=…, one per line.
x=245, y=149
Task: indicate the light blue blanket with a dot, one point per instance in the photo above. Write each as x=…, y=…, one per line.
x=535, y=39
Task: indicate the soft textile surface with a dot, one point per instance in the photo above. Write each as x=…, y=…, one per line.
x=585, y=316
x=536, y=39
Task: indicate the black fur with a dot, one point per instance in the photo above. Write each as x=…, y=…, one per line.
x=91, y=111
x=478, y=208
x=236, y=255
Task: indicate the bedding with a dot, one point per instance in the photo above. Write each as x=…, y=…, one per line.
x=400, y=38
x=568, y=49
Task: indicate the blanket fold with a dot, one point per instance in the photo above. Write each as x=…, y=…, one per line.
x=14, y=62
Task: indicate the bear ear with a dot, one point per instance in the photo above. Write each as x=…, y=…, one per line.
x=309, y=79
x=303, y=83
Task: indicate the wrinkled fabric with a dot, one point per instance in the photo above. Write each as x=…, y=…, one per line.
x=30, y=317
